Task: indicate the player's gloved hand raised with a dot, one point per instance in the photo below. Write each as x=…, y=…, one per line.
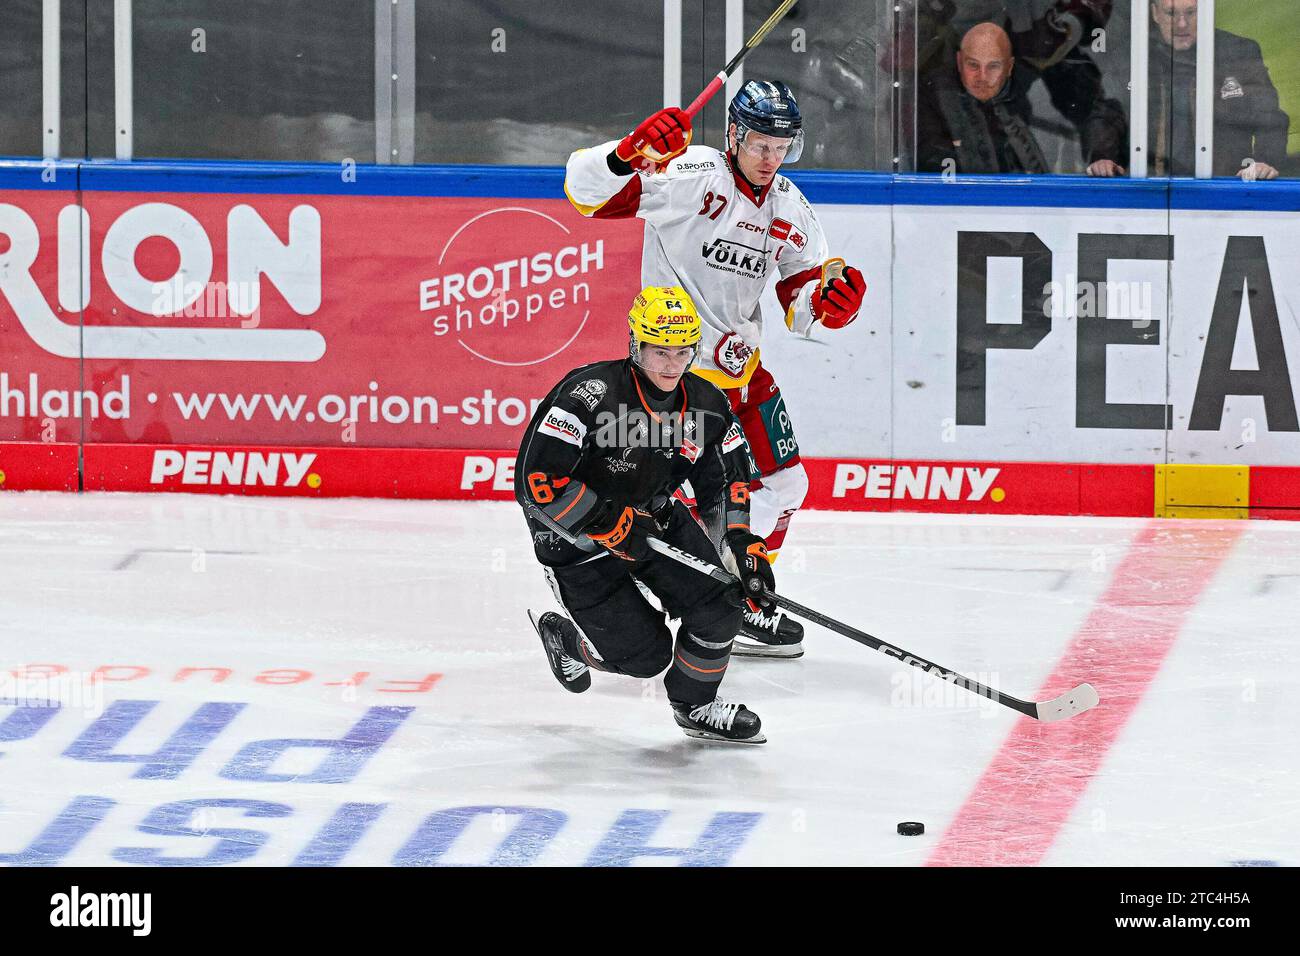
x=657, y=141
x=746, y=557
x=623, y=530
x=836, y=302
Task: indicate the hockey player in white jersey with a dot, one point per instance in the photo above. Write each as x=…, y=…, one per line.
x=719, y=224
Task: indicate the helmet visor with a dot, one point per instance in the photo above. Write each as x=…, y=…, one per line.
x=762, y=146
x=670, y=360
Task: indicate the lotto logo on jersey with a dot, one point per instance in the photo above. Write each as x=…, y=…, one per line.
x=560, y=424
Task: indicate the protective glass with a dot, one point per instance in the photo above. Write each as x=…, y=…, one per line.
x=764, y=146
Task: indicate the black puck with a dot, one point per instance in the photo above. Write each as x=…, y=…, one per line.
x=911, y=829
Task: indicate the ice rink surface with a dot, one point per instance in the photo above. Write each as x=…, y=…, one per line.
x=355, y=682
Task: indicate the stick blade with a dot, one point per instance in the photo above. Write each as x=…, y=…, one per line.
x=1084, y=697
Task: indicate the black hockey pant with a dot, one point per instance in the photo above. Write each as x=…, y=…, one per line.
x=631, y=637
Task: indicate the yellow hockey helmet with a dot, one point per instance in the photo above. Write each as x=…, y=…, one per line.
x=666, y=316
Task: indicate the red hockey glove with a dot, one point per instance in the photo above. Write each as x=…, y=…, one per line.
x=657, y=141
x=748, y=560
x=835, y=304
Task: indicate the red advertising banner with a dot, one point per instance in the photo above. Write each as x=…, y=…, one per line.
x=40, y=339
x=979, y=487
x=476, y=474
x=1009, y=488
x=327, y=321
x=38, y=466
x=302, y=471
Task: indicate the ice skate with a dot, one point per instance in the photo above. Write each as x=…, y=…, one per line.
x=719, y=720
x=553, y=628
x=768, y=634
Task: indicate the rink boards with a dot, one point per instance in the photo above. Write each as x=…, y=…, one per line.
x=945, y=487
x=1056, y=346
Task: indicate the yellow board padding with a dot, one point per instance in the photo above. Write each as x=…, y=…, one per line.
x=1202, y=491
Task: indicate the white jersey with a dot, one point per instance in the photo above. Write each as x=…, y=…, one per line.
x=706, y=232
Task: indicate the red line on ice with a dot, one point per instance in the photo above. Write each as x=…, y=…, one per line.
x=1030, y=788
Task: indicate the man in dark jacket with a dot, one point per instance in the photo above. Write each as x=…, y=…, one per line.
x=974, y=122
x=1250, y=129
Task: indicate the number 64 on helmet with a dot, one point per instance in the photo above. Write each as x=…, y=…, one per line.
x=663, y=317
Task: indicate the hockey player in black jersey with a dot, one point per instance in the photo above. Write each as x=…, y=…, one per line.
x=595, y=476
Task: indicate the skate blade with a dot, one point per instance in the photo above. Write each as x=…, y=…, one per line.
x=758, y=738
x=576, y=686
x=784, y=651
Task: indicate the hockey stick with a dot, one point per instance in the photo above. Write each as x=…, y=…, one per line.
x=715, y=84
x=1075, y=701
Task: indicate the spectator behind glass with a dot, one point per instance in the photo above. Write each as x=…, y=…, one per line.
x=1051, y=41
x=1248, y=123
x=971, y=121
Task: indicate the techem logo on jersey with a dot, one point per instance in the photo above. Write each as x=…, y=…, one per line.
x=253, y=252
x=513, y=286
x=916, y=482
x=560, y=424
x=238, y=468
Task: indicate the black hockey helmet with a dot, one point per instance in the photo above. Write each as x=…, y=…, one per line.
x=768, y=107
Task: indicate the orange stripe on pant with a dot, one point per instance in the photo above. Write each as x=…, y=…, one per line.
x=702, y=670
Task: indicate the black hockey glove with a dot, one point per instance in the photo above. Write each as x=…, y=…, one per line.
x=623, y=530
x=746, y=557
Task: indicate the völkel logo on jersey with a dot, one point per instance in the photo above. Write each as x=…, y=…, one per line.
x=731, y=256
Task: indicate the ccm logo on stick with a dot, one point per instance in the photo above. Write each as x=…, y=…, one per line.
x=925, y=482
x=478, y=469
x=230, y=468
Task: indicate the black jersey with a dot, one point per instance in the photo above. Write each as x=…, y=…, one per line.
x=605, y=438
